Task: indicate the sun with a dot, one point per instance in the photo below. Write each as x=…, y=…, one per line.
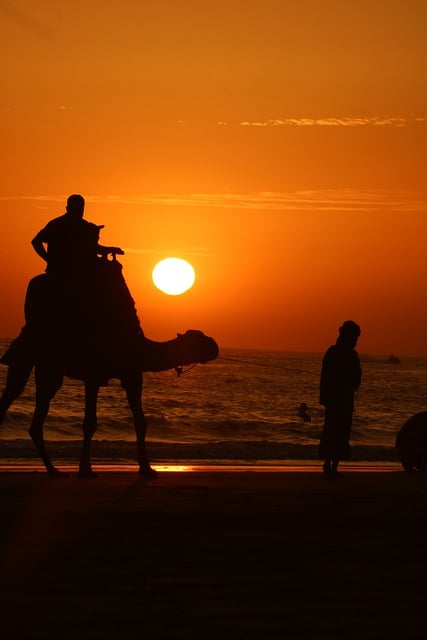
x=173, y=276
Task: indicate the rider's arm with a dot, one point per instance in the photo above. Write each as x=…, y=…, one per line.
x=104, y=251
x=38, y=245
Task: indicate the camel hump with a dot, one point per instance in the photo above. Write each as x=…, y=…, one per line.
x=84, y=325
x=100, y=300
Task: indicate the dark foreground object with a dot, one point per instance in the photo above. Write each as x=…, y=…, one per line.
x=213, y=555
x=411, y=443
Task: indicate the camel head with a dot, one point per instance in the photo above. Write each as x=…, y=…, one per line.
x=196, y=347
x=190, y=347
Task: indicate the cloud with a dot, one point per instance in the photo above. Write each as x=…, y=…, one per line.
x=191, y=251
x=321, y=200
x=373, y=121
x=25, y=20
x=304, y=200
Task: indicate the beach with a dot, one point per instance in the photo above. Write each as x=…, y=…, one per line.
x=214, y=553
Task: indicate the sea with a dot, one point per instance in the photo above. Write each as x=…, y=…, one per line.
x=241, y=409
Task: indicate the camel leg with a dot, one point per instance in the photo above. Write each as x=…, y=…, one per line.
x=47, y=384
x=133, y=388
x=89, y=428
x=17, y=378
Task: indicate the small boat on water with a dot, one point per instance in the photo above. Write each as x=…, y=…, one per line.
x=393, y=359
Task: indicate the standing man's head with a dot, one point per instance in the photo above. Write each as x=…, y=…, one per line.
x=75, y=206
x=349, y=332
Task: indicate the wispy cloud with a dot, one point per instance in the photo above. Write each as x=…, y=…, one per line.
x=303, y=200
x=189, y=251
x=374, y=121
x=369, y=200
x=25, y=20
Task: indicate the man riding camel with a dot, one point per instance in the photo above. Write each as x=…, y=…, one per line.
x=69, y=244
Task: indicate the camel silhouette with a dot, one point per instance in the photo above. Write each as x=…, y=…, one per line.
x=92, y=334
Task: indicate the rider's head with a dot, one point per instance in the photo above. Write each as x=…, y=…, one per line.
x=75, y=206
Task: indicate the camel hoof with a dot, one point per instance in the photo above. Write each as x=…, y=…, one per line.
x=148, y=472
x=56, y=473
x=87, y=473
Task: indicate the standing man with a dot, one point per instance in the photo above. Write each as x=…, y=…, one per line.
x=340, y=378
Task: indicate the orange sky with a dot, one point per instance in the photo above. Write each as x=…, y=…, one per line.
x=278, y=146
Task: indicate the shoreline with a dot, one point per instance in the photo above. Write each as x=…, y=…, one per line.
x=301, y=466
x=212, y=452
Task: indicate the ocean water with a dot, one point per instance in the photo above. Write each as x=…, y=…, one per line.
x=240, y=408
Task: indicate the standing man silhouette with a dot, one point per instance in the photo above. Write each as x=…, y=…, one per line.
x=340, y=377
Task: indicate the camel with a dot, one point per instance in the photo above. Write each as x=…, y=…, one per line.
x=56, y=350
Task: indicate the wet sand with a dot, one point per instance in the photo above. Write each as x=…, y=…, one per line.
x=214, y=554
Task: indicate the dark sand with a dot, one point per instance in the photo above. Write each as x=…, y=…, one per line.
x=214, y=555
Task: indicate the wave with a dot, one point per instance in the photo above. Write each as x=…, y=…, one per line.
x=241, y=406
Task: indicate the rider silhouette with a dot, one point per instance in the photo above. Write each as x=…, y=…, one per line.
x=69, y=244
x=80, y=311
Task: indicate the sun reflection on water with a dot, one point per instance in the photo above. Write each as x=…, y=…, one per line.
x=173, y=467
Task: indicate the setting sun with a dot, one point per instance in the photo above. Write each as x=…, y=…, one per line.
x=173, y=276
x=283, y=155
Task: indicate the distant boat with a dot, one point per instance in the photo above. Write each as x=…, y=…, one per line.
x=393, y=359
